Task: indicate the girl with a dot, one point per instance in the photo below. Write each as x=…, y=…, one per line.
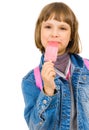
x=63, y=102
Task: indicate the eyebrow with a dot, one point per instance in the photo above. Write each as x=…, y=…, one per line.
x=61, y=24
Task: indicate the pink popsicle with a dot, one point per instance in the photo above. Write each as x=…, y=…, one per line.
x=51, y=51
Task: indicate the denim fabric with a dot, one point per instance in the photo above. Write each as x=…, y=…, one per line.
x=44, y=112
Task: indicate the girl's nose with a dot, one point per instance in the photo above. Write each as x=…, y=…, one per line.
x=55, y=33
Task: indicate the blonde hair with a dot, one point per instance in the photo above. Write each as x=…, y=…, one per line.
x=60, y=12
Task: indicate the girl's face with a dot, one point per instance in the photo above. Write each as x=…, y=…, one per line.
x=53, y=30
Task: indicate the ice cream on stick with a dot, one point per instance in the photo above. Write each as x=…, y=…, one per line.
x=51, y=51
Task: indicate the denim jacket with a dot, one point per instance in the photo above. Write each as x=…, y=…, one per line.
x=44, y=112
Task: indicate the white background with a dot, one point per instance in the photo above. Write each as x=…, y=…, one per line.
x=18, y=53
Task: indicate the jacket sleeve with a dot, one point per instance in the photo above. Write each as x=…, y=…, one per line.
x=39, y=108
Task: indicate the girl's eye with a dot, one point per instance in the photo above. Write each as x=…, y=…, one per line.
x=63, y=28
x=48, y=26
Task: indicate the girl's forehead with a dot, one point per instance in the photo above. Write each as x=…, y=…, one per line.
x=58, y=17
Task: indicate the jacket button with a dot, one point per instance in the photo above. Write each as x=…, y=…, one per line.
x=44, y=101
x=65, y=95
x=84, y=77
x=64, y=116
x=40, y=123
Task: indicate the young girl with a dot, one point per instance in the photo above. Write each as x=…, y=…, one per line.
x=63, y=101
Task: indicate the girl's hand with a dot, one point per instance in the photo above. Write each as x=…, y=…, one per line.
x=48, y=74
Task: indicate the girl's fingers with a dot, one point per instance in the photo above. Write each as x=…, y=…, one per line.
x=47, y=67
x=48, y=72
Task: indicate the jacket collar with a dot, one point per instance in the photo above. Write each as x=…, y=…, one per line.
x=76, y=60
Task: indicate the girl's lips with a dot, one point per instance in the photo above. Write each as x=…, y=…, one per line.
x=53, y=43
